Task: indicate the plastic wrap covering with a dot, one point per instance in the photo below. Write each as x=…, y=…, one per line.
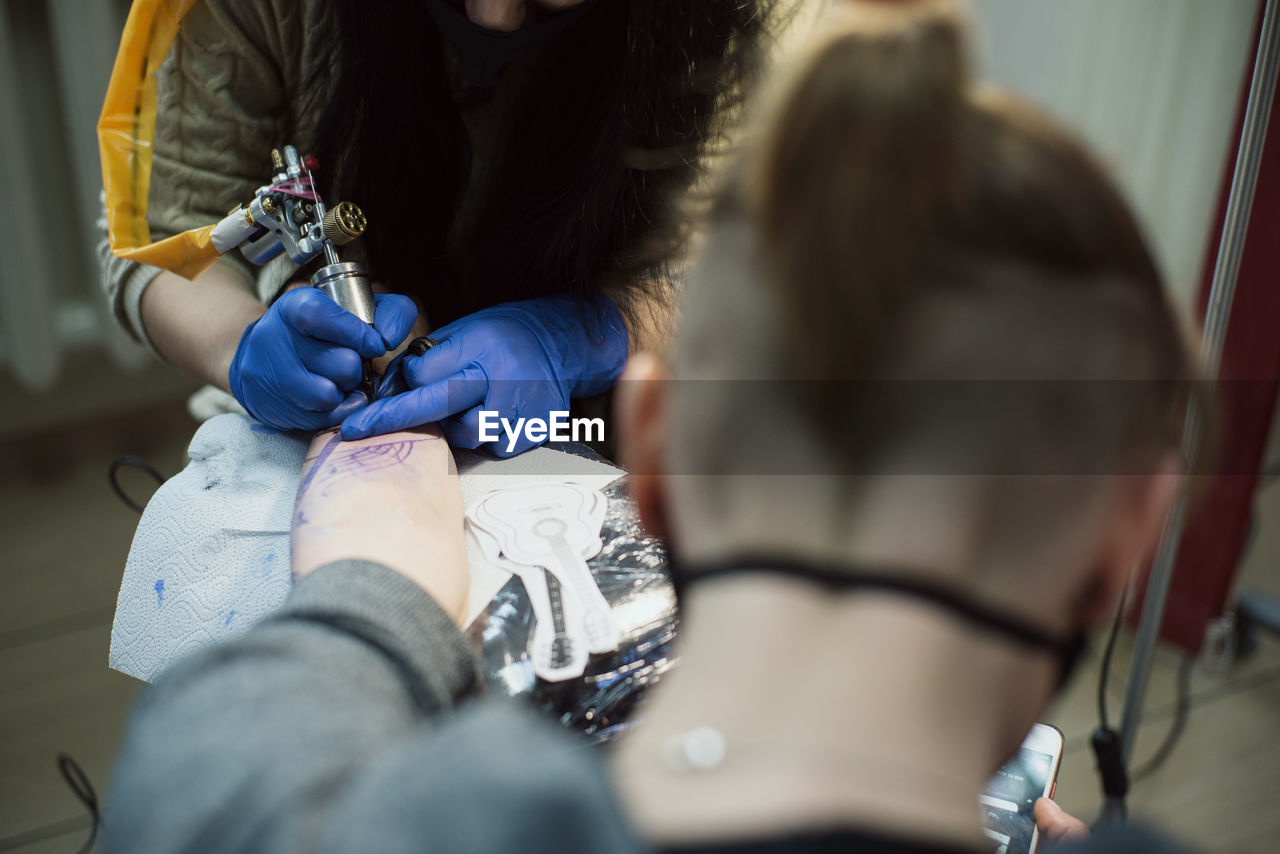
x=631, y=571
x=126, y=133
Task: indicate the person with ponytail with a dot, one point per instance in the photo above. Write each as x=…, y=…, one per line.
x=924, y=420
x=519, y=163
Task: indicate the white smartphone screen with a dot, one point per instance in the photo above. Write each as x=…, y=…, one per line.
x=1011, y=794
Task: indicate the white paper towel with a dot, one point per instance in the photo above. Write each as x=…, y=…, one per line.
x=211, y=554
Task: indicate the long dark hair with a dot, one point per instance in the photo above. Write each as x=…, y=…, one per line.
x=628, y=100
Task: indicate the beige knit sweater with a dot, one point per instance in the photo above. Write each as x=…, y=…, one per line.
x=230, y=89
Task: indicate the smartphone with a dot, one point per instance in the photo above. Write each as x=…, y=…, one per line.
x=1010, y=795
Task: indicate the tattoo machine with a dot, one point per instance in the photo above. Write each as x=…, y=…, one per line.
x=289, y=216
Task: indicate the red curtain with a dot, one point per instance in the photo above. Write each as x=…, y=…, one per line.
x=1218, y=529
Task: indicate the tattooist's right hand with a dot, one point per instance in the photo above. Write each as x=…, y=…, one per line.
x=297, y=366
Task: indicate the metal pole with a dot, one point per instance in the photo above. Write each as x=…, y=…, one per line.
x=1221, y=294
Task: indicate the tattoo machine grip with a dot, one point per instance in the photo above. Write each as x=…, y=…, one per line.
x=346, y=284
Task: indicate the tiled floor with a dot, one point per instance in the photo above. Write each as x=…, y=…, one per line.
x=65, y=537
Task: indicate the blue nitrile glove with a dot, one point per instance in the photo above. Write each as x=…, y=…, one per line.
x=297, y=365
x=519, y=359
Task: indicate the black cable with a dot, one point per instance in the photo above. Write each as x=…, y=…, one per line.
x=1105, y=741
x=1180, y=715
x=134, y=462
x=1116, y=780
x=80, y=786
x=1105, y=669
x=1182, y=707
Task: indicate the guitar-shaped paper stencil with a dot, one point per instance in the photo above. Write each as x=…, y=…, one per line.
x=545, y=533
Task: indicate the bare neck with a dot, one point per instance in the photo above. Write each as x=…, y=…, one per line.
x=797, y=709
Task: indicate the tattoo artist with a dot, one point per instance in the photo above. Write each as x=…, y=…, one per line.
x=859, y=653
x=518, y=160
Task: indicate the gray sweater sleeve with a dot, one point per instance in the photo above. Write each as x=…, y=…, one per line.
x=331, y=726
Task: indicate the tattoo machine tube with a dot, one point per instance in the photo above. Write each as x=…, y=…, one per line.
x=346, y=284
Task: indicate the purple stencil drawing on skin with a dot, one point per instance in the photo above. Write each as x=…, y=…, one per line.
x=311, y=475
x=369, y=459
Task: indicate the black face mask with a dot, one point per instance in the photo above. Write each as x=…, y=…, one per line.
x=484, y=53
x=1067, y=650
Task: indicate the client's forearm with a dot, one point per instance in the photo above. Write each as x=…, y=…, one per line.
x=392, y=499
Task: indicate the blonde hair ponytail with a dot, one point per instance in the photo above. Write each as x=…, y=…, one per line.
x=860, y=160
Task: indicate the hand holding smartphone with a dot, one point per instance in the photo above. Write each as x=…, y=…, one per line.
x=1010, y=796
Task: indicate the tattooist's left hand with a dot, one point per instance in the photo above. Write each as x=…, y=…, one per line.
x=520, y=359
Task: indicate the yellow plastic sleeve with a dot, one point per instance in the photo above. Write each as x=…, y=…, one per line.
x=126, y=138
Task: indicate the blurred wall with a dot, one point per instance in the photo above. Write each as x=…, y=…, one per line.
x=1153, y=85
x=62, y=357
x=55, y=56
